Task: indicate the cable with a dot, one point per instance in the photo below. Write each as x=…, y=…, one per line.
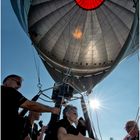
x=92, y=124
x=137, y=116
x=98, y=124
x=37, y=67
x=46, y=96
x=44, y=100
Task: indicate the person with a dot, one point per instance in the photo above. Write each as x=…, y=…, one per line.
x=11, y=101
x=64, y=129
x=29, y=129
x=132, y=130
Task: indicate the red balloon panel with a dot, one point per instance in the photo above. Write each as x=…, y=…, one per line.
x=89, y=4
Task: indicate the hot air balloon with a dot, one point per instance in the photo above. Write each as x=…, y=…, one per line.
x=80, y=41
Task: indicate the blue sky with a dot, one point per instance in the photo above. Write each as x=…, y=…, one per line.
x=118, y=92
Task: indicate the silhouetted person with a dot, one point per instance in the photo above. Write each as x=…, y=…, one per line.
x=64, y=130
x=11, y=100
x=29, y=129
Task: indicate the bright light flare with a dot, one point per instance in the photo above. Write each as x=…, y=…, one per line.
x=77, y=34
x=95, y=104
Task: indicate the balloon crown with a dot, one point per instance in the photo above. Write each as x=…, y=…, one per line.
x=89, y=4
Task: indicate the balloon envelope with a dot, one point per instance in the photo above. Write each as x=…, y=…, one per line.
x=79, y=46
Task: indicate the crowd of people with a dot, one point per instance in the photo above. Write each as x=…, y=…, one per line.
x=14, y=126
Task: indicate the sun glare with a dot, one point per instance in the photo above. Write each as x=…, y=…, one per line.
x=95, y=104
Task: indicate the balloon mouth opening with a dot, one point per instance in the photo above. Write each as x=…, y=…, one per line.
x=89, y=4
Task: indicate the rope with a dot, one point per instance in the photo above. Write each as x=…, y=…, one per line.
x=39, y=85
x=137, y=115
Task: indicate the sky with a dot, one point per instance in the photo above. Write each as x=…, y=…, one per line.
x=118, y=92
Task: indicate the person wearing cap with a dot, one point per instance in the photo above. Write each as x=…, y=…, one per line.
x=11, y=100
x=64, y=129
x=133, y=130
